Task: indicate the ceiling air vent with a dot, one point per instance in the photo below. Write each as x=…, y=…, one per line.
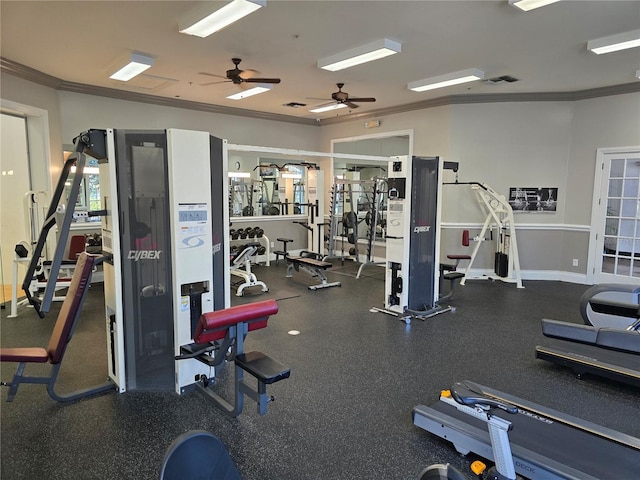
x=502, y=79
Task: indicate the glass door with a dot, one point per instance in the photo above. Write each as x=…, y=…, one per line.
x=618, y=223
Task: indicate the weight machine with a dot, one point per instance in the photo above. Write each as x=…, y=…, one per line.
x=413, y=237
x=498, y=215
x=35, y=205
x=165, y=247
x=347, y=211
x=58, y=217
x=375, y=218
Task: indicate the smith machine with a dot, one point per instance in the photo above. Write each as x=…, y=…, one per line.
x=354, y=202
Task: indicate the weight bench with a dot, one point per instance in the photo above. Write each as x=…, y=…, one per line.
x=62, y=332
x=448, y=271
x=313, y=264
x=244, y=259
x=219, y=337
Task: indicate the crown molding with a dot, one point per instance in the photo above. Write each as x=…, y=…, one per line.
x=33, y=75
x=490, y=98
x=178, y=103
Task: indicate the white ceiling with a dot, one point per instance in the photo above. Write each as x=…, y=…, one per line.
x=84, y=42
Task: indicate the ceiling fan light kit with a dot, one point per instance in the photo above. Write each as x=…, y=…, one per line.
x=447, y=80
x=203, y=26
x=526, y=5
x=614, y=43
x=137, y=64
x=259, y=88
x=358, y=55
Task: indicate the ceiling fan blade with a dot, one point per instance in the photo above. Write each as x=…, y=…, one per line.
x=350, y=104
x=262, y=80
x=211, y=75
x=366, y=99
x=214, y=83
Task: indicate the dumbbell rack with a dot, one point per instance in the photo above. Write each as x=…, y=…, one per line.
x=263, y=240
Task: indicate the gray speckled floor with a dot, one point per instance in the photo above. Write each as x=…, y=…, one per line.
x=345, y=413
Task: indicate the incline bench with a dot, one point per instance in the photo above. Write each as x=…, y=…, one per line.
x=313, y=264
x=63, y=331
x=241, y=267
x=220, y=336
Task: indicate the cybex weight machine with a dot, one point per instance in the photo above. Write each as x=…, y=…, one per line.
x=413, y=237
x=164, y=242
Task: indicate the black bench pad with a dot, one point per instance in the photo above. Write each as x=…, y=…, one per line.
x=264, y=368
x=312, y=262
x=453, y=275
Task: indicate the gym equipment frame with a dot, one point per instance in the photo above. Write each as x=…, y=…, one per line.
x=220, y=337
x=65, y=326
x=546, y=444
x=497, y=212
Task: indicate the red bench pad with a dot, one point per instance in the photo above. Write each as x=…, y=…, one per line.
x=214, y=325
x=24, y=354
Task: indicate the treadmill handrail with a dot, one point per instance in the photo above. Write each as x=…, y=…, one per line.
x=569, y=420
x=464, y=395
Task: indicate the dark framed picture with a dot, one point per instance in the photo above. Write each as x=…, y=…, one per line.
x=533, y=199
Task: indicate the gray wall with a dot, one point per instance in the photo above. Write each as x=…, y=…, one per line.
x=502, y=144
x=547, y=144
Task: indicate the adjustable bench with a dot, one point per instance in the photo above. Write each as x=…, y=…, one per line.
x=62, y=332
x=220, y=336
x=313, y=264
x=241, y=267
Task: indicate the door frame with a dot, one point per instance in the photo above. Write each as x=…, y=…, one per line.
x=597, y=206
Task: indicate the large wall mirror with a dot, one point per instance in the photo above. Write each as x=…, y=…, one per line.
x=267, y=185
x=354, y=180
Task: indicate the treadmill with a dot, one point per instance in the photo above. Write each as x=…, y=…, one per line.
x=545, y=444
x=612, y=353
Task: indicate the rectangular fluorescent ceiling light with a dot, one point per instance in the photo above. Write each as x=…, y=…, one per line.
x=446, y=80
x=356, y=56
x=613, y=43
x=87, y=170
x=211, y=23
x=326, y=108
x=239, y=174
x=526, y=5
x=259, y=88
x=137, y=64
x=290, y=175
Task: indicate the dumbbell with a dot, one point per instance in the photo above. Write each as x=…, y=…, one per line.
x=232, y=232
x=243, y=233
x=261, y=250
x=251, y=232
x=259, y=232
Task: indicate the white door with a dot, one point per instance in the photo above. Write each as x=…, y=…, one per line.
x=615, y=221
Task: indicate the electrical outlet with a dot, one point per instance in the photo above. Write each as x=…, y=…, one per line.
x=271, y=244
x=575, y=262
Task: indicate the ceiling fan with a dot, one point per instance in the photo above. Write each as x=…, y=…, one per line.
x=343, y=97
x=238, y=77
